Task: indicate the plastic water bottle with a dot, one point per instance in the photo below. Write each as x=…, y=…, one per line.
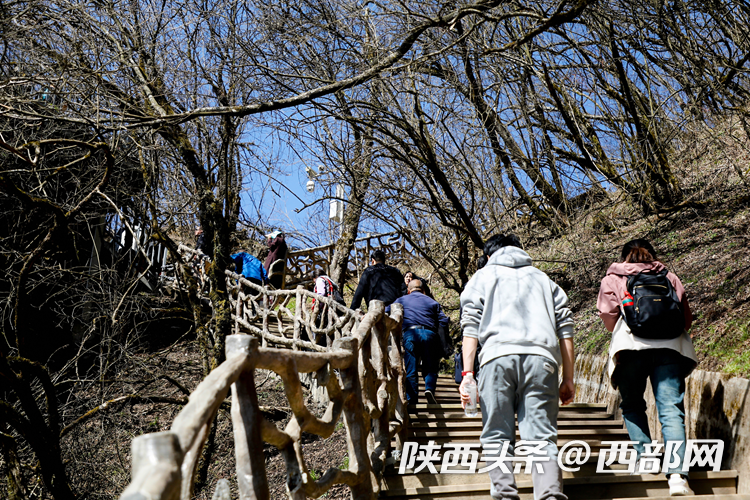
x=471, y=388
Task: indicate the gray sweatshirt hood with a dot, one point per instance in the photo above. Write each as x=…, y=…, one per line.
x=512, y=307
x=510, y=257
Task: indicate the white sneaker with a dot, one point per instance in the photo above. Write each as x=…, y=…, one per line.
x=430, y=396
x=678, y=486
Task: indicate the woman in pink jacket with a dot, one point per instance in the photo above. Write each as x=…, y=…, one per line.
x=633, y=359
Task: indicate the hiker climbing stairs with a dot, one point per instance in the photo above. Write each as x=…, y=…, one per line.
x=282, y=331
x=446, y=422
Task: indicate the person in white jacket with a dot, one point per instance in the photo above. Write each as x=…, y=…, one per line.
x=522, y=321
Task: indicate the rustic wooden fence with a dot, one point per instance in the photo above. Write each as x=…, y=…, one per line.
x=301, y=264
x=356, y=357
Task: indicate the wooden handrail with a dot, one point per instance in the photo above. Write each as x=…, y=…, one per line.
x=331, y=245
x=360, y=366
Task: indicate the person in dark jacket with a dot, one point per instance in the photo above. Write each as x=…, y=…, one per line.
x=200, y=241
x=422, y=319
x=378, y=282
x=277, y=251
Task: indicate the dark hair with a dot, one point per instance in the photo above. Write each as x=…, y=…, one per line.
x=318, y=273
x=378, y=256
x=499, y=241
x=638, y=250
x=481, y=262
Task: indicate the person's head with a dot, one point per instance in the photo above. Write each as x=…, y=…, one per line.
x=414, y=286
x=481, y=262
x=499, y=241
x=198, y=231
x=408, y=275
x=318, y=273
x=378, y=257
x=638, y=250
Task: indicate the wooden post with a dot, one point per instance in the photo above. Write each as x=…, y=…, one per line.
x=190, y=460
x=156, y=467
x=298, y=305
x=380, y=428
x=397, y=365
x=246, y=422
x=240, y=309
x=222, y=491
x=264, y=342
x=354, y=418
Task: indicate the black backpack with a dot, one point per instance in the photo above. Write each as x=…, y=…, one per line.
x=338, y=297
x=335, y=293
x=653, y=310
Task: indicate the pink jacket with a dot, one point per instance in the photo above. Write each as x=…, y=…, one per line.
x=614, y=286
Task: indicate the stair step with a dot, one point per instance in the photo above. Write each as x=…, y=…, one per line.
x=692, y=497
x=612, y=434
x=471, y=423
x=445, y=422
x=599, y=486
x=438, y=413
x=587, y=408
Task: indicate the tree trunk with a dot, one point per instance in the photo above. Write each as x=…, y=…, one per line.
x=345, y=244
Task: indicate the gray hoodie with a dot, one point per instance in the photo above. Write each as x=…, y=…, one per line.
x=514, y=308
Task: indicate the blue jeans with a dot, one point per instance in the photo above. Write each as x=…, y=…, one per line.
x=425, y=345
x=666, y=369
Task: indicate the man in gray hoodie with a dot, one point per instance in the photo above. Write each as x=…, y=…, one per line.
x=522, y=321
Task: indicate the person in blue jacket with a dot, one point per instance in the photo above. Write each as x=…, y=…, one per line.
x=249, y=267
x=422, y=318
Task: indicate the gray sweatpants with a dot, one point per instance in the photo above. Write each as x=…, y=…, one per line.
x=526, y=384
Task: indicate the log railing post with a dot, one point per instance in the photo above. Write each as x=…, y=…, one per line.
x=298, y=305
x=380, y=433
x=354, y=418
x=265, y=312
x=156, y=467
x=246, y=421
x=240, y=309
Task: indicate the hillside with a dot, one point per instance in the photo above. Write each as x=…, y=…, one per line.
x=710, y=252
x=706, y=243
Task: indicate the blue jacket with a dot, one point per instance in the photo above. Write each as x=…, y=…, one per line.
x=419, y=309
x=250, y=267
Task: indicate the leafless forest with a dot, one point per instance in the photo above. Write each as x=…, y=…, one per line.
x=448, y=121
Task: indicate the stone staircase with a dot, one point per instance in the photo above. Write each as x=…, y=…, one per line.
x=445, y=422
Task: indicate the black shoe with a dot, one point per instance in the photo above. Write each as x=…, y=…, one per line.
x=430, y=398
